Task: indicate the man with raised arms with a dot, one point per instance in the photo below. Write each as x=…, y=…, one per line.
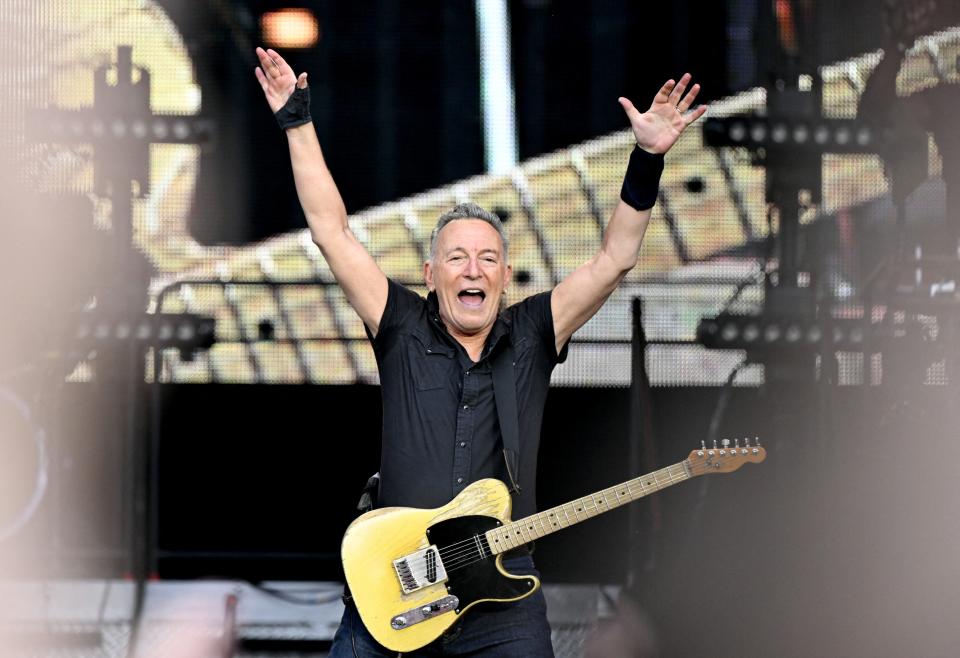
x=440, y=420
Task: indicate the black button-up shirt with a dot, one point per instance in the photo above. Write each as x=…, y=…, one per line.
x=440, y=426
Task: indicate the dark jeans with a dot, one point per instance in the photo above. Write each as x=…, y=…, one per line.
x=488, y=630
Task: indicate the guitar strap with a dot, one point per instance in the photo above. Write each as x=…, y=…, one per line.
x=505, y=395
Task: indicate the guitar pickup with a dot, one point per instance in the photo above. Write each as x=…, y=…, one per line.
x=424, y=612
x=421, y=569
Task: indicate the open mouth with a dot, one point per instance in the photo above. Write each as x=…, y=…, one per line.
x=471, y=297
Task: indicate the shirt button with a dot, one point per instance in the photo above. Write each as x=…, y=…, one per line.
x=463, y=444
x=459, y=480
x=466, y=406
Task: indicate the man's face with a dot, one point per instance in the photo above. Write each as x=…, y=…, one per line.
x=469, y=274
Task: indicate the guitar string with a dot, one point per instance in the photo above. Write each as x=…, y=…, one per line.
x=672, y=477
x=465, y=552
x=464, y=557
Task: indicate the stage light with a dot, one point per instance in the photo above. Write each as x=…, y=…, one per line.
x=181, y=130
x=771, y=333
x=821, y=134
x=160, y=129
x=729, y=331
x=185, y=332
x=290, y=28
x=779, y=133
x=738, y=132
x=842, y=135
x=85, y=126
x=761, y=334
x=756, y=132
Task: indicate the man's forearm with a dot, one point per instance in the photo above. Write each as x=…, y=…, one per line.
x=318, y=194
x=624, y=236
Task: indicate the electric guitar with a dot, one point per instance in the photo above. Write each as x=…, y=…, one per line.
x=413, y=572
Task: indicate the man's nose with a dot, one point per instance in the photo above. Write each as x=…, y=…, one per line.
x=473, y=268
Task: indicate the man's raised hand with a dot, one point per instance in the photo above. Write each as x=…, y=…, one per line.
x=657, y=129
x=276, y=78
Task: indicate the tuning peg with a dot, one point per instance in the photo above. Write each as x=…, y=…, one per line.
x=736, y=443
x=746, y=441
x=714, y=444
x=725, y=443
x=703, y=445
x=756, y=440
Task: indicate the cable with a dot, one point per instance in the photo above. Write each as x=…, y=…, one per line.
x=763, y=271
x=40, y=487
x=722, y=401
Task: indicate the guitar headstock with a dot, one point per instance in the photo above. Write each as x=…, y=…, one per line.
x=726, y=458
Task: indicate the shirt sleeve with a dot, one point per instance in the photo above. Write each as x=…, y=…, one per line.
x=539, y=313
x=401, y=303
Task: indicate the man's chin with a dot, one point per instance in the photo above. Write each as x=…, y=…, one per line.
x=470, y=324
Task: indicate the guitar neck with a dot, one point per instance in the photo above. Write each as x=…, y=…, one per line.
x=519, y=532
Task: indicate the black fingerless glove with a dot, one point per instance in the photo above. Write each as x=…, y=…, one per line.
x=642, y=180
x=296, y=112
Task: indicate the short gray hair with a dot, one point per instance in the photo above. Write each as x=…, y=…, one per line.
x=467, y=211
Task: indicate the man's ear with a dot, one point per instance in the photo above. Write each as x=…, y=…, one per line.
x=428, y=276
x=508, y=277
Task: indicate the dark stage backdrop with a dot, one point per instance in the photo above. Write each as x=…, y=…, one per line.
x=260, y=481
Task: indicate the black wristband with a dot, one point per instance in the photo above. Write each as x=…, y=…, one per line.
x=642, y=180
x=296, y=112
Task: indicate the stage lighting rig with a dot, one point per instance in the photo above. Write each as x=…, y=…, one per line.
x=800, y=319
x=793, y=135
x=759, y=334
x=187, y=332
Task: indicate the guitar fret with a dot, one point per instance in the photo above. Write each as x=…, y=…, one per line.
x=516, y=533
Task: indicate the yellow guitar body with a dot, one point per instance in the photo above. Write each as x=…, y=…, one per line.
x=414, y=572
x=375, y=540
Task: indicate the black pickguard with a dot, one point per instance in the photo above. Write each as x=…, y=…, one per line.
x=479, y=579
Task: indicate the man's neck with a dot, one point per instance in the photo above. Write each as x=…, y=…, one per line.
x=473, y=344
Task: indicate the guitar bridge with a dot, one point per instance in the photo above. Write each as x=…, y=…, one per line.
x=424, y=612
x=421, y=569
